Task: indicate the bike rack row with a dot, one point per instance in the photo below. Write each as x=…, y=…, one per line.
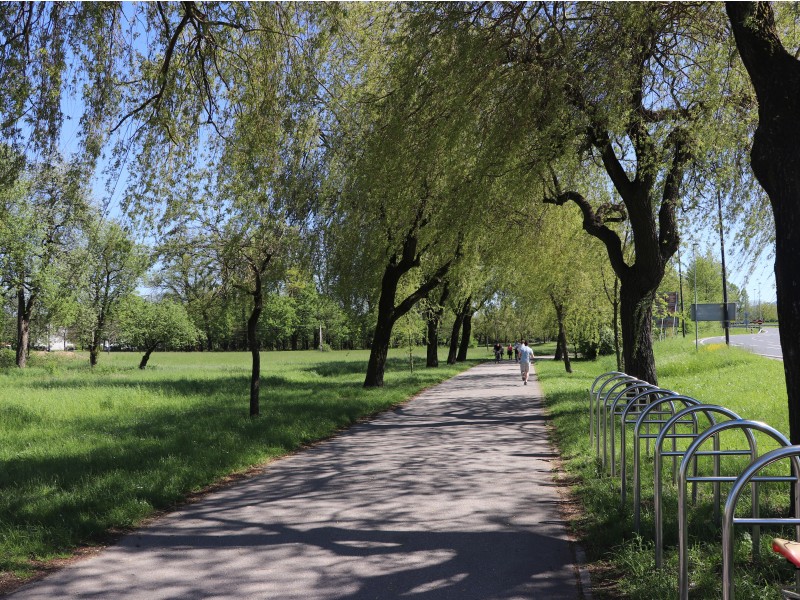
x=658, y=415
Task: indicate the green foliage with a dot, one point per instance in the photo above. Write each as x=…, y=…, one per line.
x=8, y=358
x=603, y=345
x=147, y=324
x=87, y=452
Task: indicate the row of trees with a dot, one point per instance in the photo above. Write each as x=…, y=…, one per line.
x=411, y=157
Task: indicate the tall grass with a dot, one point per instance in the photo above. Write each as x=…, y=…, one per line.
x=624, y=562
x=88, y=452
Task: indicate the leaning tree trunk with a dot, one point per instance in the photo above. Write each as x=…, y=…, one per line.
x=466, y=336
x=381, y=338
x=145, y=358
x=562, y=336
x=452, y=355
x=775, y=156
x=559, y=350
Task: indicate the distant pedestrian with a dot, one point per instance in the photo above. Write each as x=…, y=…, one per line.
x=516, y=351
x=509, y=351
x=525, y=359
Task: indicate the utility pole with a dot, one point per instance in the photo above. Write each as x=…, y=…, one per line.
x=724, y=279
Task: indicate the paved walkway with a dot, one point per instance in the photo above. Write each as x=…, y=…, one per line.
x=449, y=497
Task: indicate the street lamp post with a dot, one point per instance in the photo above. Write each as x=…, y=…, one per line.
x=694, y=259
x=724, y=277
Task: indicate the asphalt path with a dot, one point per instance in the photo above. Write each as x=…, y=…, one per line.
x=766, y=343
x=451, y=496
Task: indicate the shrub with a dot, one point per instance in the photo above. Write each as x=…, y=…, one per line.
x=602, y=345
x=8, y=358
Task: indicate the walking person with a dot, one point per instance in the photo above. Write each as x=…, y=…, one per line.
x=525, y=360
x=509, y=351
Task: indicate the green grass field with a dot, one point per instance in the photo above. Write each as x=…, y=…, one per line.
x=623, y=563
x=86, y=454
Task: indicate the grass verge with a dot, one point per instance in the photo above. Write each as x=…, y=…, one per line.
x=89, y=453
x=623, y=563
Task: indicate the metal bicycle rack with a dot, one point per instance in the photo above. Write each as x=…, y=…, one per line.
x=634, y=407
x=631, y=394
x=750, y=475
x=600, y=400
x=627, y=388
x=694, y=449
x=669, y=432
x=645, y=418
x=593, y=396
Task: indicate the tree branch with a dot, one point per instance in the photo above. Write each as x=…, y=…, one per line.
x=594, y=225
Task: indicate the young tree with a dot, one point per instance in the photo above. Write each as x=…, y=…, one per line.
x=149, y=324
x=114, y=265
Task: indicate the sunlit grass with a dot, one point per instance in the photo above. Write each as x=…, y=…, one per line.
x=85, y=452
x=751, y=386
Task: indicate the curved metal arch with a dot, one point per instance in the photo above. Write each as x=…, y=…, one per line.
x=729, y=518
x=637, y=452
x=598, y=402
x=616, y=390
x=623, y=445
x=643, y=386
x=597, y=380
x=658, y=513
x=747, y=427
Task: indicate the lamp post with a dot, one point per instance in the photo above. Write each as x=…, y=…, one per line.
x=724, y=277
x=694, y=259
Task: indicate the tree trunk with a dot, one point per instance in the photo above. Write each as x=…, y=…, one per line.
x=775, y=155
x=145, y=358
x=637, y=329
x=562, y=335
x=96, y=342
x=24, y=311
x=253, y=346
x=466, y=336
x=561, y=345
x=94, y=353
x=388, y=313
x=452, y=355
x=559, y=351
x=617, y=345
x=434, y=320
x=379, y=349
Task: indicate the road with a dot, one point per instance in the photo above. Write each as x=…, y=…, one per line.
x=766, y=343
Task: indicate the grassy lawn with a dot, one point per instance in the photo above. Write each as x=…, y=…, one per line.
x=87, y=453
x=623, y=563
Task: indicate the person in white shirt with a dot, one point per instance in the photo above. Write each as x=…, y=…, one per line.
x=525, y=360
